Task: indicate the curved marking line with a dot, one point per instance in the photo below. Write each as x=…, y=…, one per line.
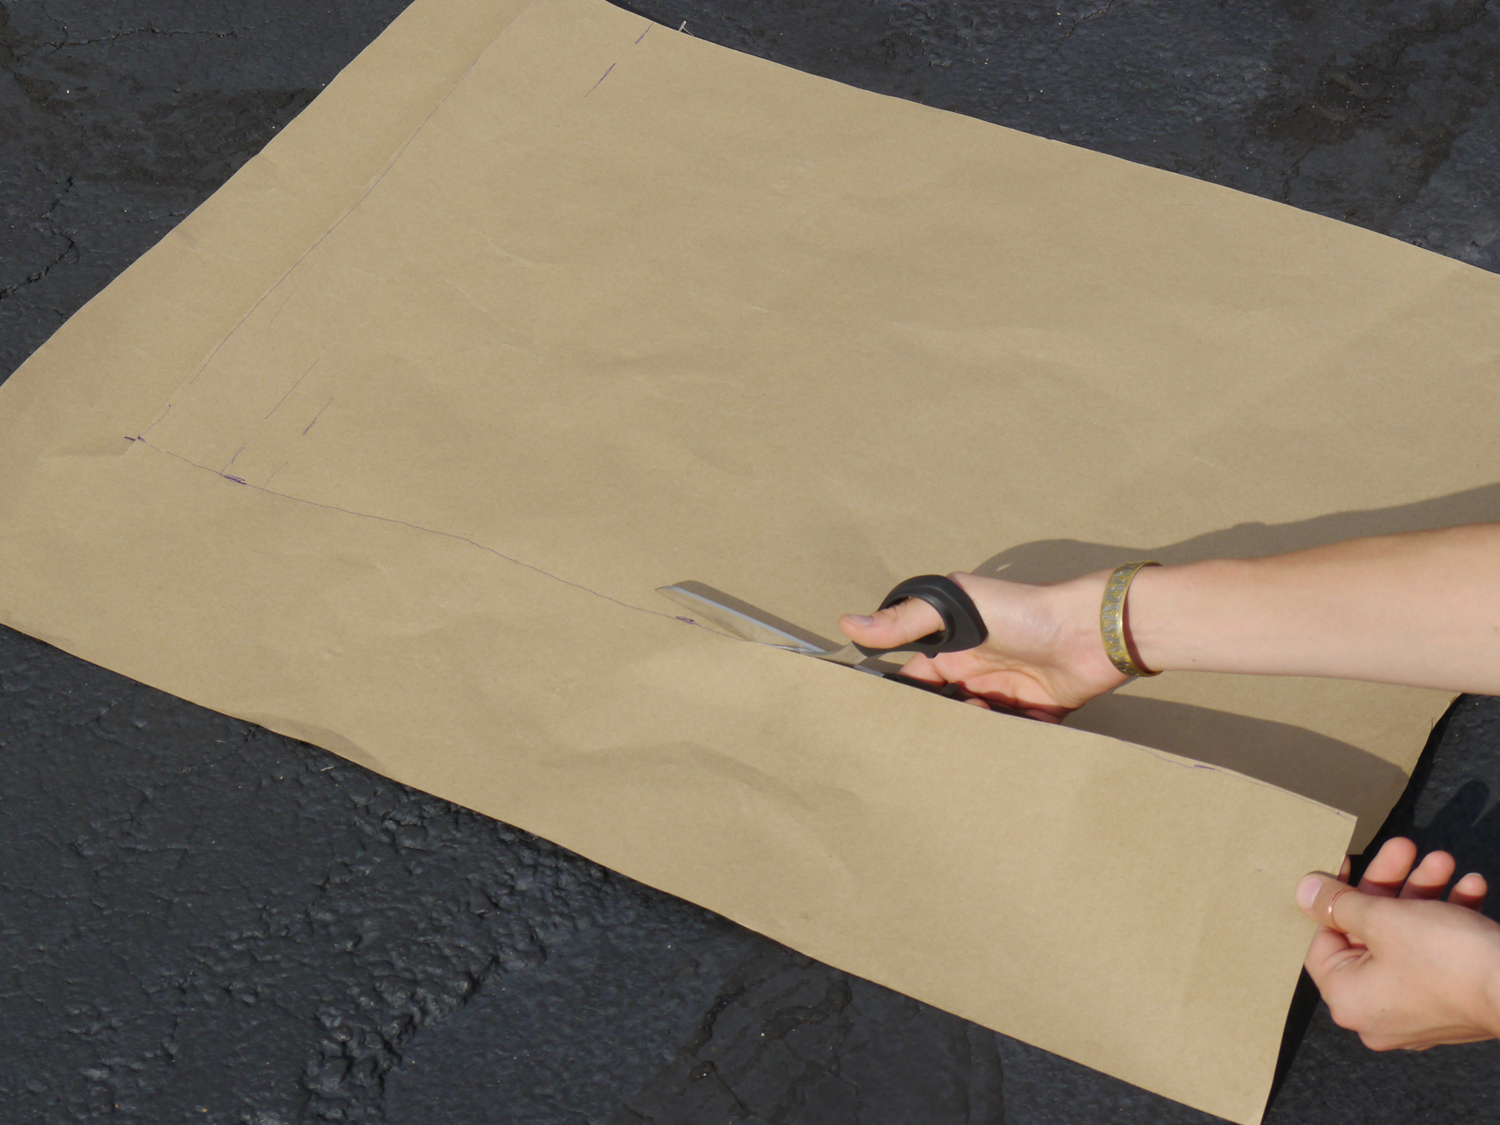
x=415, y=527
x=316, y=416
x=602, y=77
x=294, y=386
x=400, y=152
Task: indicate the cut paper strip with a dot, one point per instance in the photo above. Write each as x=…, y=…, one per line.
x=540, y=307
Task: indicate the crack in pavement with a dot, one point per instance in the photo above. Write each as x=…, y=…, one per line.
x=1088, y=18
x=9, y=292
x=1078, y=22
x=232, y=33
x=1345, y=100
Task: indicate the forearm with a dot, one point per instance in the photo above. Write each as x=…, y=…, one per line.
x=1421, y=609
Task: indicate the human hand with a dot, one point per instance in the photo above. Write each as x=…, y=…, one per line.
x=1044, y=656
x=1396, y=963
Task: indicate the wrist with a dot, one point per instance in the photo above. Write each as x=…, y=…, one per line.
x=1075, y=606
x=1179, y=618
x=1488, y=1016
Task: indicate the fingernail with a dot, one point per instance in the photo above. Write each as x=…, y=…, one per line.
x=858, y=619
x=1307, y=891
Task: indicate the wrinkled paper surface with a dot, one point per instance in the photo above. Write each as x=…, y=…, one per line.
x=541, y=307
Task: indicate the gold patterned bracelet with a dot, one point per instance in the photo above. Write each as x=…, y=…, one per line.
x=1112, y=619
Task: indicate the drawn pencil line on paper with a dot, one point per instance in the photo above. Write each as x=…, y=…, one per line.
x=272, y=477
x=293, y=387
x=159, y=418
x=316, y=416
x=232, y=460
x=322, y=238
x=284, y=303
x=416, y=527
x=602, y=77
x=645, y=33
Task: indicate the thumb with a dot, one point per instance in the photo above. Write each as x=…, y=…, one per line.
x=1333, y=953
x=890, y=628
x=1331, y=903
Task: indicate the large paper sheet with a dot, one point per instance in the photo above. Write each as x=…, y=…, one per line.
x=540, y=307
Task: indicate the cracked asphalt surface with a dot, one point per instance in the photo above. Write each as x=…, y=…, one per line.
x=200, y=920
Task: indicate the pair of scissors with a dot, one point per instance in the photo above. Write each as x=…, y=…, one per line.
x=963, y=627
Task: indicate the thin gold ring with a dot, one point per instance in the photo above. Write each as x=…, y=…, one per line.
x=1330, y=924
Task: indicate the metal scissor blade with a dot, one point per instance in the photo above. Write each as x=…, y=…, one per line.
x=752, y=624
x=745, y=621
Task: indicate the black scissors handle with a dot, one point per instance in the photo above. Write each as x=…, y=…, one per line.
x=963, y=627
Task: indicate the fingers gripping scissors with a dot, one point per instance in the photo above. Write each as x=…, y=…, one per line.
x=963, y=627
